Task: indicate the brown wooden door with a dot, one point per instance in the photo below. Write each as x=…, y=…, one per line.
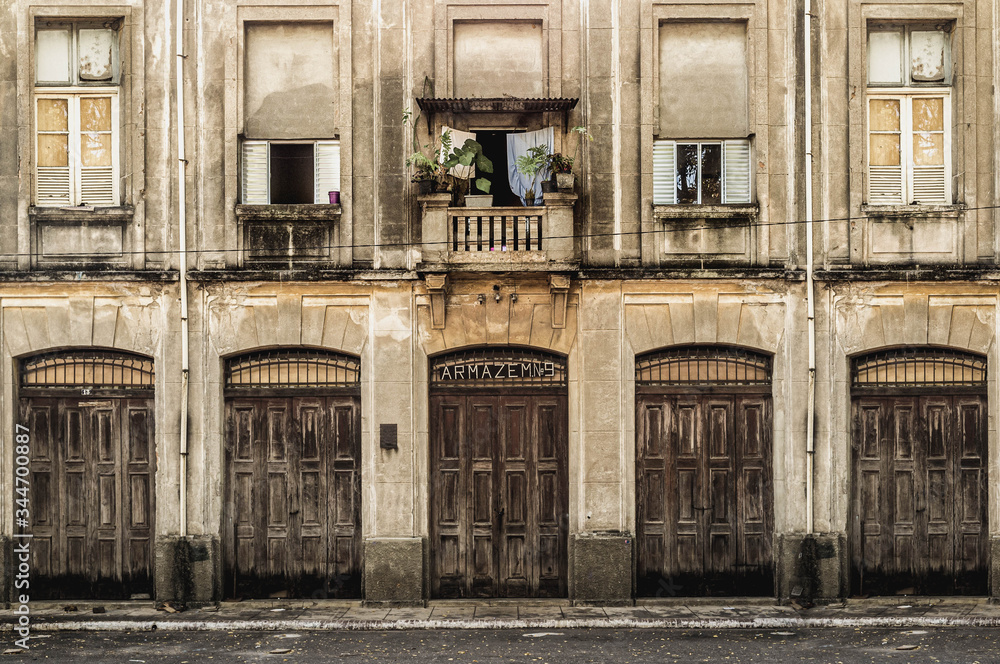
x=919, y=500
x=704, y=495
x=498, y=495
x=92, y=496
x=293, y=512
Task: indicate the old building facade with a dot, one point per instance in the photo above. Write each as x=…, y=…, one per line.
x=750, y=350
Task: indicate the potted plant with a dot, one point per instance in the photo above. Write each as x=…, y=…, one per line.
x=464, y=157
x=428, y=174
x=563, y=167
x=530, y=166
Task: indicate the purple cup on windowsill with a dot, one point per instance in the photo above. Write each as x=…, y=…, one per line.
x=334, y=198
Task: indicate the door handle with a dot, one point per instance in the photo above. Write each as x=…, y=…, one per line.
x=500, y=514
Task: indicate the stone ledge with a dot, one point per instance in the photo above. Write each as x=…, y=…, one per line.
x=876, y=211
x=82, y=214
x=42, y=275
x=909, y=273
x=298, y=212
x=693, y=212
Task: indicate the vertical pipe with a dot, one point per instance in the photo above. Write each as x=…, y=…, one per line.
x=182, y=242
x=810, y=303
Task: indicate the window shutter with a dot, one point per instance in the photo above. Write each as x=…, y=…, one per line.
x=664, y=187
x=97, y=186
x=929, y=184
x=52, y=185
x=736, y=165
x=255, y=173
x=327, y=169
x=885, y=185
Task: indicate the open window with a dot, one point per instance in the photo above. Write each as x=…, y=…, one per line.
x=76, y=114
x=289, y=172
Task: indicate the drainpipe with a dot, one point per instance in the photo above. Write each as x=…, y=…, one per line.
x=182, y=241
x=810, y=303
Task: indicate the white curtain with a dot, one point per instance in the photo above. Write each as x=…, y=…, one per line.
x=517, y=146
x=458, y=139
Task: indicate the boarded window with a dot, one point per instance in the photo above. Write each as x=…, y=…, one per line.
x=497, y=59
x=703, y=80
x=290, y=80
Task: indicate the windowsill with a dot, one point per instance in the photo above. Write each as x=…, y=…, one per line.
x=82, y=214
x=915, y=210
x=289, y=212
x=706, y=211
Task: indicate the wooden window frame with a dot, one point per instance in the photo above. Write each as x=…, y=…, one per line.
x=665, y=193
x=906, y=97
x=74, y=90
x=319, y=188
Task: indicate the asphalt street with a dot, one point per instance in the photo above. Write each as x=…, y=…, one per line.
x=842, y=646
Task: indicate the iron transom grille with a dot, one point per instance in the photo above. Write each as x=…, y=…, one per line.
x=919, y=367
x=111, y=369
x=499, y=368
x=291, y=368
x=703, y=366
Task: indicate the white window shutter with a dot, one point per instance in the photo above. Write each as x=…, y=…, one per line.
x=255, y=173
x=885, y=185
x=97, y=186
x=736, y=165
x=929, y=185
x=664, y=187
x=326, y=174
x=52, y=185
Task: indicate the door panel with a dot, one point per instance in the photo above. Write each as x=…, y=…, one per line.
x=704, y=495
x=292, y=506
x=92, y=467
x=919, y=521
x=498, y=496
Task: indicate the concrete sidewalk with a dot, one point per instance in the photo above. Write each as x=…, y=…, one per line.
x=287, y=615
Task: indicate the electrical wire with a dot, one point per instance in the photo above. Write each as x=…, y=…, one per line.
x=723, y=225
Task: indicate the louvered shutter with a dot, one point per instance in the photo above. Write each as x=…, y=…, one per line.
x=53, y=154
x=664, y=187
x=736, y=162
x=52, y=185
x=97, y=186
x=254, y=174
x=885, y=185
x=930, y=184
x=326, y=155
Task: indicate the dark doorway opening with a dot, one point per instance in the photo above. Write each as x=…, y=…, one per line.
x=495, y=148
x=291, y=173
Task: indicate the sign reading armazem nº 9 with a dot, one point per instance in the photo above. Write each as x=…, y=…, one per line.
x=498, y=366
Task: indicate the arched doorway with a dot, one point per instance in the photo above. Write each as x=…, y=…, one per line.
x=89, y=419
x=499, y=490
x=919, y=468
x=292, y=519
x=704, y=495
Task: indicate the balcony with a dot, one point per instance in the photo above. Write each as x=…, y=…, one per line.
x=289, y=236
x=498, y=238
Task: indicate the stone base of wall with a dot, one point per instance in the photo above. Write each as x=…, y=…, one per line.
x=812, y=568
x=994, y=578
x=601, y=569
x=394, y=572
x=188, y=569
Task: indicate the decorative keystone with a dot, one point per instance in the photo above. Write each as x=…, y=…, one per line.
x=559, y=288
x=437, y=287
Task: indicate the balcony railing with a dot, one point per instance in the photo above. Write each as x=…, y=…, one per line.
x=534, y=237
x=500, y=229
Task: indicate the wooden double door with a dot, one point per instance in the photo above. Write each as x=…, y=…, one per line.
x=92, y=472
x=498, y=494
x=919, y=522
x=293, y=499
x=704, y=494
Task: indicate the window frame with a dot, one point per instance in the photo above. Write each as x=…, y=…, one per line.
x=906, y=77
x=661, y=198
x=266, y=143
x=73, y=91
x=906, y=97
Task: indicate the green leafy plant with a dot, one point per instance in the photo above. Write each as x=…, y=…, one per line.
x=530, y=165
x=425, y=159
x=468, y=154
x=560, y=164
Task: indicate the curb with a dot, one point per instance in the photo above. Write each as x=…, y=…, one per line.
x=587, y=623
